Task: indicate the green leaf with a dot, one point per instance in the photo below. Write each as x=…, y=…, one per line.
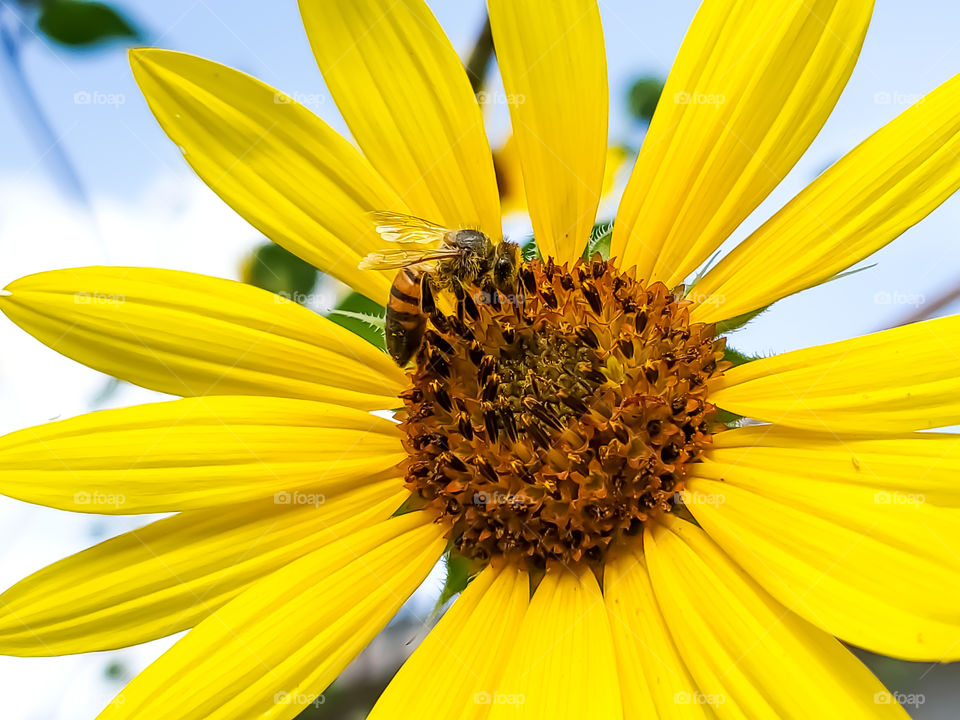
x=280, y=271
x=361, y=316
x=599, y=241
x=643, y=97
x=83, y=24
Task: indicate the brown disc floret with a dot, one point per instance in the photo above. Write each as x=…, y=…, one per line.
x=552, y=422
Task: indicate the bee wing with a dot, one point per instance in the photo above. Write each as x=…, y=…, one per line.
x=406, y=229
x=395, y=258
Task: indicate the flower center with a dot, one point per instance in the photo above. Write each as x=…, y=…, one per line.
x=552, y=423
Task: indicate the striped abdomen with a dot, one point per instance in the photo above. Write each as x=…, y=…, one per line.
x=405, y=322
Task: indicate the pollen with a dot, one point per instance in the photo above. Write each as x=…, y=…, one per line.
x=553, y=422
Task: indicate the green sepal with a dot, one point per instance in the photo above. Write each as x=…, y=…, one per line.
x=736, y=323
x=459, y=572
x=732, y=420
x=599, y=242
x=847, y=273
x=736, y=357
x=361, y=316
x=529, y=251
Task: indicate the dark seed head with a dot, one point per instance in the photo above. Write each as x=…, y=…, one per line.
x=573, y=417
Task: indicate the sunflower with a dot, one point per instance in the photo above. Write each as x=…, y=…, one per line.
x=633, y=557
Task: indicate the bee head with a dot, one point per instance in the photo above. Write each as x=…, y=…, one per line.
x=506, y=264
x=476, y=251
x=472, y=241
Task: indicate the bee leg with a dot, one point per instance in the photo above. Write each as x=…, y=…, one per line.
x=427, y=302
x=459, y=292
x=492, y=295
x=470, y=305
x=519, y=299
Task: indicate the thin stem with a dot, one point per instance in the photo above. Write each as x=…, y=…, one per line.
x=479, y=60
x=35, y=122
x=928, y=310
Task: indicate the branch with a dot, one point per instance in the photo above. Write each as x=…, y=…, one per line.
x=479, y=60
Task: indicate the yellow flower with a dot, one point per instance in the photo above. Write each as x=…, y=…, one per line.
x=564, y=441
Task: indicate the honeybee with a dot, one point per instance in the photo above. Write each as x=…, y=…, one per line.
x=433, y=258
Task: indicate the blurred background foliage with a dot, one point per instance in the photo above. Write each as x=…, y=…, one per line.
x=83, y=25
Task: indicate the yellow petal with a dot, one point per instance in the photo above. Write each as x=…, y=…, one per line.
x=273, y=649
x=653, y=680
x=926, y=463
x=196, y=453
x=751, y=87
x=506, y=160
x=167, y=576
x=750, y=656
x=277, y=164
x=876, y=568
x=188, y=334
x=562, y=665
x=886, y=185
x=510, y=176
x=554, y=71
x=907, y=378
x=404, y=94
x=461, y=660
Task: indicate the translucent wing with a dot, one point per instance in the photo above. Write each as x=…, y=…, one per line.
x=406, y=229
x=395, y=258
